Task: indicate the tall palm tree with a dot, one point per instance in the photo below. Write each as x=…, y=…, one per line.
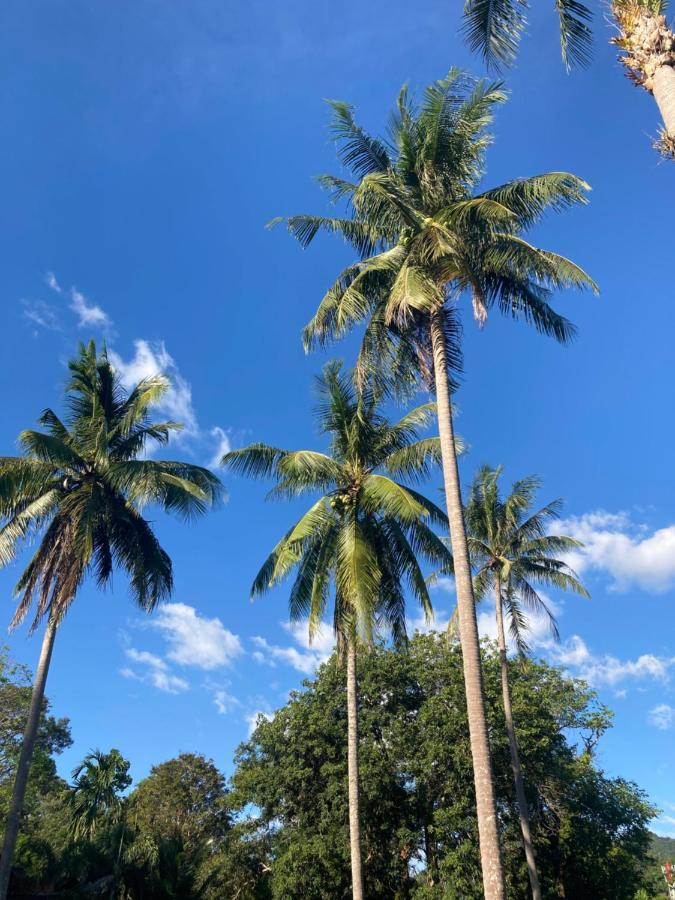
x=79, y=488
x=360, y=541
x=427, y=238
x=96, y=792
x=493, y=29
x=512, y=555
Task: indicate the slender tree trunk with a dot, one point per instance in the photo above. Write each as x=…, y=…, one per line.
x=521, y=799
x=486, y=807
x=353, y=771
x=23, y=767
x=663, y=86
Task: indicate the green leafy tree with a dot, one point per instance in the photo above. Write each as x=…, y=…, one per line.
x=363, y=537
x=79, y=488
x=180, y=822
x=427, y=239
x=493, y=29
x=418, y=809
x=512, y=555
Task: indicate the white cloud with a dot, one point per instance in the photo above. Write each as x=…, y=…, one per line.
x=195, y=640
x=89, y=315
x=606, y=669
x=307, y=659
x=50, y=281
x=444, y=583
x=439, y=622
x=154, y=671
x=663, y=717
x=41, y=314
x=154, y=359
x=225, y=702
x=223, y=445
x=625, y=550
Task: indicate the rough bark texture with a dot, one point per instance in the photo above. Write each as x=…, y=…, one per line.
x=353, y=772
x=490, y=854
x=649, y=45
x=664, y=94
x=521, y=799
x=23, y=767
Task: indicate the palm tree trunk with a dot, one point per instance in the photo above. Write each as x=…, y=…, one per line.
x=353, y=771
x=521, y=799
x=486, y=807
x=663, y=87
x=23, y=767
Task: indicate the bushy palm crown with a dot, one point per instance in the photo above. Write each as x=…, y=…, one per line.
x=510, y=543
x=95, y=796
x=426, y=235
x=81, y=484
x=364, y=536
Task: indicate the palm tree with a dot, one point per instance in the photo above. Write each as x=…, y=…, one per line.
x=79, y=488
x=512, y=555
x=493, y=29
x=427, y=239
x=95, y=796
x=648, y=45
x=361, y=540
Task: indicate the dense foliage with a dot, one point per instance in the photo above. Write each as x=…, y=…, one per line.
x=280, y=829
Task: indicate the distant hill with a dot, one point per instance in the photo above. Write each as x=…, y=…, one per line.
x=663, y=848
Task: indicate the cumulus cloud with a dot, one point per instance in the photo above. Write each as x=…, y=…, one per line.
x=89, y=315
x=195, y=640
x=306, y=657
x=662, y=717
x=605, y=669
x=153, y=359
x=153, y=671
x=628, y=552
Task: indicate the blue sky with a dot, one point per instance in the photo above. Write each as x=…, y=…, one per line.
x=145, y=145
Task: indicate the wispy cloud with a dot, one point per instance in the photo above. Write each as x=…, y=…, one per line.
x=153, y=671
x=662, y=717
x=89, y=315
x=41, y=314
x=223, y=445
x=51, y=282
x=627, y=551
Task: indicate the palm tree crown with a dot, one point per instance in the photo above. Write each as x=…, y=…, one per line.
x=512, y=550
x=81, y=484
x=98, y=783
x=426, y=235
x=366, y=531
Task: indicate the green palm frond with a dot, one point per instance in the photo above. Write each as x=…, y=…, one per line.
x=362, y=541
x=493, y=28
x=78, y=489
x=512, y=551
